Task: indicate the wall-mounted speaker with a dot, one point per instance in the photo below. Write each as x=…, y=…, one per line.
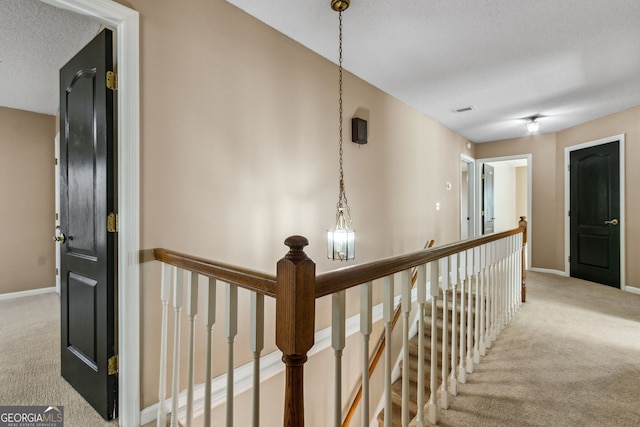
x=358, y=130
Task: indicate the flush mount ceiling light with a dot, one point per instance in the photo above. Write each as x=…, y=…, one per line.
x=533, y=124
x=341, y=239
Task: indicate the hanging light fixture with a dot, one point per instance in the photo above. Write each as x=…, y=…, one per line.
x=341, y=239
x=533, y=124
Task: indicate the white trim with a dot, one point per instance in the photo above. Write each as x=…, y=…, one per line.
x=548, y=270
x=632, y=289
x=29, y=293
x=471, y=194
x=529, y=159
x=126, y=23
x=567, y=201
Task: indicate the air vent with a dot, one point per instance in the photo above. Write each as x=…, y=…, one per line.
x=465, y=109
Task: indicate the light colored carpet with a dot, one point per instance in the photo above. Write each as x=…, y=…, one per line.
x=30, y=360
x=570, y=357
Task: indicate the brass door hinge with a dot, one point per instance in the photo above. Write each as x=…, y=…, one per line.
x=112, y=223
x=112, y=80
x=112, y=367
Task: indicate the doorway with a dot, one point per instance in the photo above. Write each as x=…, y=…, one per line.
x=594, y=201
x=512, y=181
x=125, y=22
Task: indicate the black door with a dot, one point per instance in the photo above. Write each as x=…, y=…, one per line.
x=594, y=215
x=488, y=213
x=87, y=294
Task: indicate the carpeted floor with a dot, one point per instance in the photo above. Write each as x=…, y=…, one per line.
x=30, y=360
x=570, y=357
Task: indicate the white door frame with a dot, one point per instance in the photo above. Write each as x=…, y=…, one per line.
x=126, y=23
x=567, y=205
x=478, y=190
x=471, y=195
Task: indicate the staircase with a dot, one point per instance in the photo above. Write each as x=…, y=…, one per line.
x=396, y=396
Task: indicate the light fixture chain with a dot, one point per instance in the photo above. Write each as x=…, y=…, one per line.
x=342, y=197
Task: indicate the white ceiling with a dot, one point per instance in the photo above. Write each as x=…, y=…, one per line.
x=36, y=40
x=569, y=61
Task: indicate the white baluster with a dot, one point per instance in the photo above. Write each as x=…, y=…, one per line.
x=178, y=281
x=433, y=398
x=483, y=301
x=257, y=344
x=405, y=283
x=462, y=373
x=231, y=296
x=165, y=294
x=421, y=288
x=496, y=295
x=192, y=312
x=490, y=300
x=209, y=321
x=470, y=308
x=444, y=284
x=387, y=312
x=478, y=297
x=366, y=325
x=338, y=302
x=453, y=274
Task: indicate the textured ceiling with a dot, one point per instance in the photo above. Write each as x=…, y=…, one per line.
x=36, y=40
x=569, y=61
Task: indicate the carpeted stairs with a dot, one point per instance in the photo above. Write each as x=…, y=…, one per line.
x=396, y=394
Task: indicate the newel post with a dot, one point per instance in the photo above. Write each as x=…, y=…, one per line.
x=523, y=225
x=295, y=323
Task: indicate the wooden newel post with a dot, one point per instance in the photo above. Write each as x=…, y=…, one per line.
x=523, y=225
x=295, y=323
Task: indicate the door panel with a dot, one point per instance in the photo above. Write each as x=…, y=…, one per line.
x=86, y=198
x=595, y=200
x=488, y=213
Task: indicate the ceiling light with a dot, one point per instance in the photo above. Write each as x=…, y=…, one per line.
x=341, y=240
x=533, y=125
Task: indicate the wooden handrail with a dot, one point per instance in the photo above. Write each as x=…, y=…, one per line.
x=377, y=354
x=244, y=278
x=347, y=277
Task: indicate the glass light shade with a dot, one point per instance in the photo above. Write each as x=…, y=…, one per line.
x=341, y=240
x=533, y=126
x=341, y=245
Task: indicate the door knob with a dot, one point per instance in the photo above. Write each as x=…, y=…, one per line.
x=61, y=238
x=612, y=222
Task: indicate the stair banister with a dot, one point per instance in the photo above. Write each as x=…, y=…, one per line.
x=295, y=323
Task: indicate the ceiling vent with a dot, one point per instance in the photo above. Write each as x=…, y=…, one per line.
x=465, y=109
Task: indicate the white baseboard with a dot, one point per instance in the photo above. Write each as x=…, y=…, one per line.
x=548, y=270
x=13, y=295
x=632, y=289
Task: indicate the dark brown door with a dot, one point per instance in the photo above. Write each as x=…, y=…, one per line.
x=595, y=214
x=87, y=292
x=488, y=212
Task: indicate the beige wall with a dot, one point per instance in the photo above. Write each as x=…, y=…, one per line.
x=239, y=150
x=27, y=253
x=548, y=216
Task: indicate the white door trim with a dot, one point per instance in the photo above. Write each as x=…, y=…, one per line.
x=471, y=194
x=126, y=23
x=530, y=224
x=567, y=203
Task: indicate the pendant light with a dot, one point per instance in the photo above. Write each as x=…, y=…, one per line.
x=341, y=239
